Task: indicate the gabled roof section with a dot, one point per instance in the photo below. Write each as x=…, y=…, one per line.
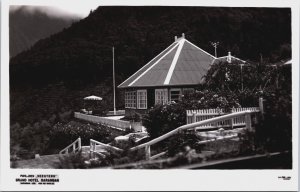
x=182, y=63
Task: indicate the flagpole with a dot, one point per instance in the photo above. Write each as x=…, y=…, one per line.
x=113, y=52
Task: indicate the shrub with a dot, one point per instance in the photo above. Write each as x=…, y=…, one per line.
x=29, y=140
x=72, y=161
x=79, y=161
x=164, y=118
x=178, y=142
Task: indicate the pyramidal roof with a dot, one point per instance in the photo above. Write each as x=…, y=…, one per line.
x=182, y=63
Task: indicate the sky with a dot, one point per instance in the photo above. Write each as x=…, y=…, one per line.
x=82, y=10
x=63, y=9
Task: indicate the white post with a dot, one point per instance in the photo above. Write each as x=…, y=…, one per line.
x=79, y=143
x=232, y=119
x=148, y=152
x=91, y=149
x=194, y=117
x=248, y=122
x=242, y=80
x=113, y=51
x=74, y=147
x=261, y=105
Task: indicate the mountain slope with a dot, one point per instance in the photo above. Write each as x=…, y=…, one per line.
x=28, y=24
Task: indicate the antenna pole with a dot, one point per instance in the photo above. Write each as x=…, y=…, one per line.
x=215, y=45
x=113, y=52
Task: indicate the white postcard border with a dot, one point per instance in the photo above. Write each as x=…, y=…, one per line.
x=95, y=179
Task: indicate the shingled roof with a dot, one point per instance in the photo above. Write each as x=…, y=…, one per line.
x=182, y=63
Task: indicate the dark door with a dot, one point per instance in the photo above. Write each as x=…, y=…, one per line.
x=150, y=98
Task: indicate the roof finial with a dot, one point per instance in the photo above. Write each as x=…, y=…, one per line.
x=183, y=36
x=229, y=57
x=175, y=38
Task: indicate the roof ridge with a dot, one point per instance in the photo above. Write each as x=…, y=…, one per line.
x=174, y=62
x=232, y=57
x=223, y=57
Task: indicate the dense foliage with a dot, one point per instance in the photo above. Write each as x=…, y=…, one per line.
x=274, y=132
x=248, y=77
x=30, y=139
x=63, y=134
x=273, y=83
x=51, y=136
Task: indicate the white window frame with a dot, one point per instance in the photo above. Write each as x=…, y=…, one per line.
x=175, y=89
x=130, y=99
x=161, y=96
x=142, y=102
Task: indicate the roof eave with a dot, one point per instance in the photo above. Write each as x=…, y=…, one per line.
x=151, y=86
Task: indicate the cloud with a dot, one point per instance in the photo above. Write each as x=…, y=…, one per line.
x=57, y=11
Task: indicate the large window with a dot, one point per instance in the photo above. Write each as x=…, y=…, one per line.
x=161, y=96
x=142, y=99
x=175, y=94
x=130, y=99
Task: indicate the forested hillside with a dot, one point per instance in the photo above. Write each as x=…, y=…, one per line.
x=57, y=72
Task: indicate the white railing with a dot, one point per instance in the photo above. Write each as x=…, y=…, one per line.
x=93, y=148
x=105, y=121
x=240, y=121
x=198, y=125
x=72, y=148
x=193, y=116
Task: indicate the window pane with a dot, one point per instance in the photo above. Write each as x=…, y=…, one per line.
x=142, y=99
x=130, y=99
x=161, y=96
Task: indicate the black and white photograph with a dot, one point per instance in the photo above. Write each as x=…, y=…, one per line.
x=124, y=87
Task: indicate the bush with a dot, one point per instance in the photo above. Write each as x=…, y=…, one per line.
x=29, y=140
x=178, y=142
x=164, y=118
x=72, y=161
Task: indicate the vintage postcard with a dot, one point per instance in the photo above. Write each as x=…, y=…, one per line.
x=152, y=95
